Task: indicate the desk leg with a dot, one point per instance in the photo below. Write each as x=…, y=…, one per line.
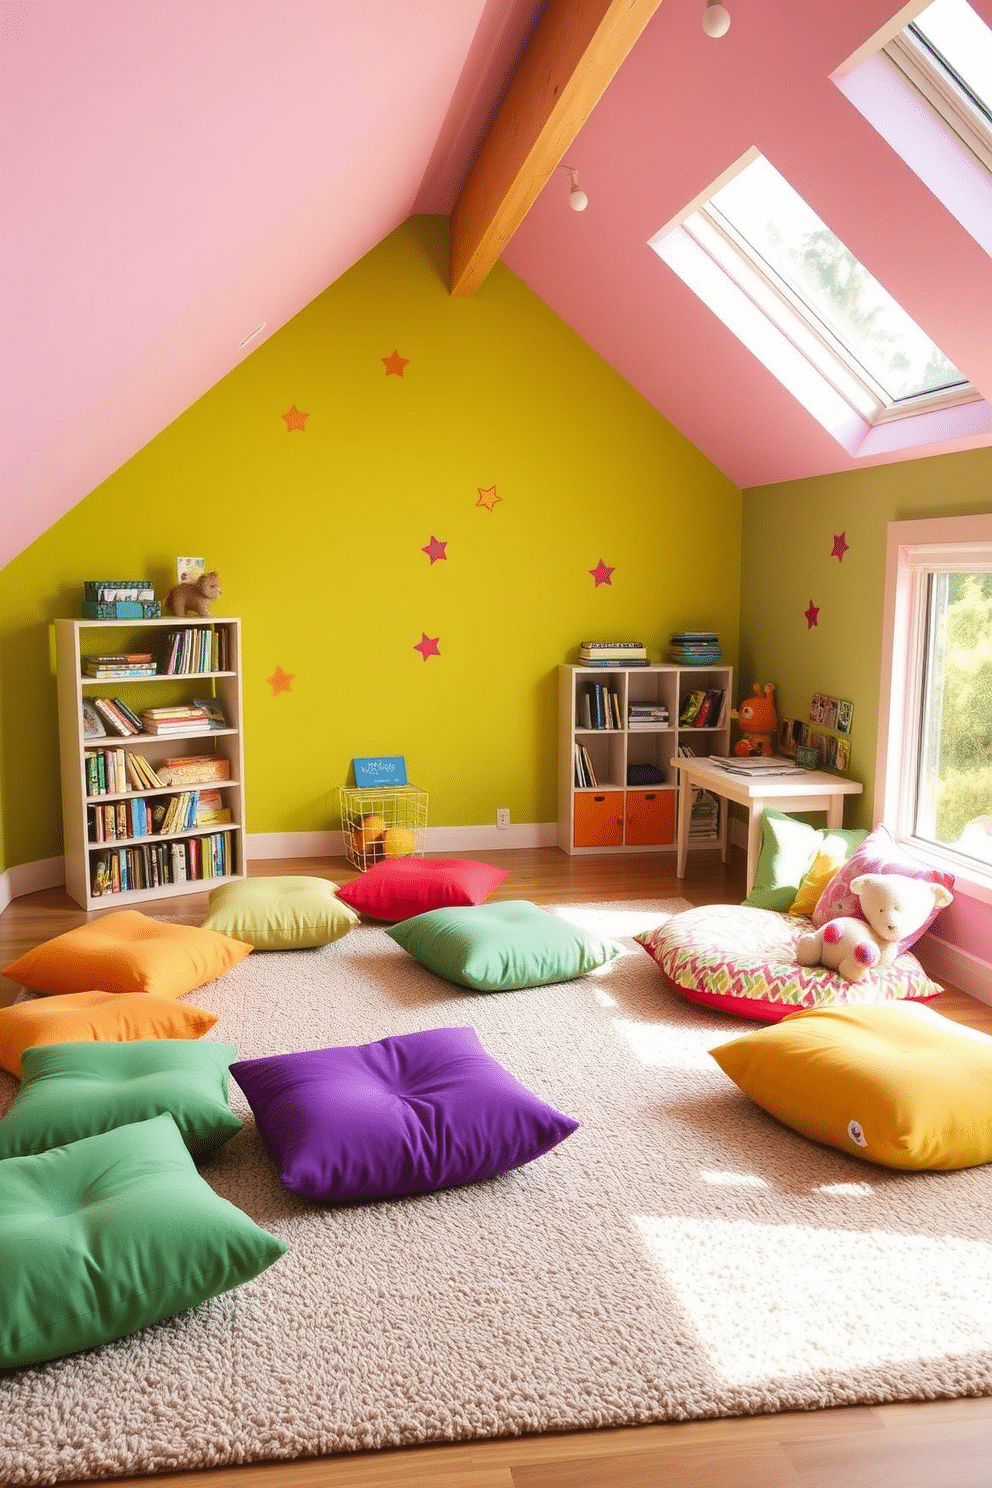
x=835, y=811
x=755, y=810
x=685, y=813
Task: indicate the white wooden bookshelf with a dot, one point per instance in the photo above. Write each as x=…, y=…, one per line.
x=77, y=639
x=615, y=815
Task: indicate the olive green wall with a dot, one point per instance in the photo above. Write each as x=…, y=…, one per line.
x=318, y=535
x=787, y=563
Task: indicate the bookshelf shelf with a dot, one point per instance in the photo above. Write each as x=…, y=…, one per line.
x=150, y=864
x=629, y=808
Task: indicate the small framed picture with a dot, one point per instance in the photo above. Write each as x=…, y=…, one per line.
x=816, y=708
x=845, y=716
x=807, y=757
x=843, y=754
x=829, y=719
x=786, y=742
x=818, y=742
x=188, y=570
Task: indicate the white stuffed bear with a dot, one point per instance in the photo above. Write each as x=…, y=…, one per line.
x=894, y=906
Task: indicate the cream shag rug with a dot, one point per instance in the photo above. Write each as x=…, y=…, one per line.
x=681, y=1255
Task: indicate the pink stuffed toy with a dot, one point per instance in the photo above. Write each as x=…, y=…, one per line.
x=894, y=907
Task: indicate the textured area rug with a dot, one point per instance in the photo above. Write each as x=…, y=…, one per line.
x=681, y=1255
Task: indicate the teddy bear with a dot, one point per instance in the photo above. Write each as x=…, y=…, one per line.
x=758, y=721
x=195, y=597
x=893, y=905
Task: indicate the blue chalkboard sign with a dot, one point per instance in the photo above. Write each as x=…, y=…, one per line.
x=380, y=769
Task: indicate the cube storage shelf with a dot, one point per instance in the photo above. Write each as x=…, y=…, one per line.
x=383, y=822
x=616, y=815
x=221, y=841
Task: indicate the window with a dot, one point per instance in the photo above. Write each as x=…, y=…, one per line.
x=927, y=88
x=934, y=777
x=812, y=313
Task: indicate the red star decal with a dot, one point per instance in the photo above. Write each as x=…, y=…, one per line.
x=812, y=615
x=602, y=573
x=394, y=364
x=488, y=497
x=295, y=419
x=280, y=680
x=435, y=549
x=427, y=645
x=840, y=546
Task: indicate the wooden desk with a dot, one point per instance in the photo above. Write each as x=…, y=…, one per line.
x=813, y=790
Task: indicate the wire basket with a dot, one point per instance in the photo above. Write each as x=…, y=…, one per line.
x=385, y=822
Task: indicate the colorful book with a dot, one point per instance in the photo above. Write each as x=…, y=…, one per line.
x=93, y=727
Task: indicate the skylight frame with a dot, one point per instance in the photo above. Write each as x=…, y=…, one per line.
x=934, y=77
x=810, y=361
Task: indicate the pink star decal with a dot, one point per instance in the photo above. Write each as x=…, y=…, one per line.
x=427, y=645
x=812, y=615
x=840, y=546
x=394, y=364
x=487, y=497
x=295, y=419
x=435, y=550
x=280, y=680
x=603, y=573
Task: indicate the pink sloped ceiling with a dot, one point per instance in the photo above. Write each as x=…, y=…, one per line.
x=681, y=110
x=174, y=172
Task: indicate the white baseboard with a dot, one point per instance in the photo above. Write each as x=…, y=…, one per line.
x=437, y=840
x=28, y=878
x=947, y=963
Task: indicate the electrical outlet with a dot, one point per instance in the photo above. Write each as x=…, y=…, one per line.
x=502, y=816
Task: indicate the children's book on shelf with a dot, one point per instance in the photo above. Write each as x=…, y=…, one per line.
x=111, y=715
x=214, y=709
x=192, y=769
x=93, y=727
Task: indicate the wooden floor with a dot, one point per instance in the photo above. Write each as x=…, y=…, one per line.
x=932, y=1444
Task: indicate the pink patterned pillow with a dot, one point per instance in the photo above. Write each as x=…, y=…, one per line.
x=879, y=853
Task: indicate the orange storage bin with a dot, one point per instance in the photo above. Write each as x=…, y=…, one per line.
x=598, y=819
x=650, y=818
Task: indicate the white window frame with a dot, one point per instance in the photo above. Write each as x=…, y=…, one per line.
x=914, y=550
x=783, y=335
x=942, y=92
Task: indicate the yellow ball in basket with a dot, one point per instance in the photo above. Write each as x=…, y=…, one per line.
x=398, y=842
x=369, y=830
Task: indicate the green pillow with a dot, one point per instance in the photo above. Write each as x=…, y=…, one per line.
x=788, y=848
x=70, y=1091
x=279, y=914
x=498, y=947
x=111, y=1233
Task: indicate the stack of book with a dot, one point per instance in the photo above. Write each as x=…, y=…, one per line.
x=120, y=664
x=196, y=649
x=704, y=817
x=613, y=654
x=111, y=772
x=120, y=869
x=702, y=708
x=647, y=716
x=119, y=599
x=695, y=648
x=194, y=769
x=599, y=708
x=183, y=719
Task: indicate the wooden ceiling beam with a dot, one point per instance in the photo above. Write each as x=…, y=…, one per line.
x=575, y=51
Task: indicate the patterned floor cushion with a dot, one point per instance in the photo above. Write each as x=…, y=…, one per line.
x=743, y=961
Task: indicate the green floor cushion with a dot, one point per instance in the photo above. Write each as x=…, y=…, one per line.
x=111, y=1016
x=111, y=1233
x=78, y=1090
x=897, y=1085
x=503, y=946
x=128, y=952
x=789, y=848
x=280, y=914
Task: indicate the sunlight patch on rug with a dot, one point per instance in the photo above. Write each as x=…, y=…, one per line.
x=828, y=1299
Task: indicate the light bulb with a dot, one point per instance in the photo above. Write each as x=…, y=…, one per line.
x=716, y=18
x=577, y=199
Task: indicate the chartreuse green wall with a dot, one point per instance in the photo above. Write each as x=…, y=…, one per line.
x=787, y=562
x=318, y=537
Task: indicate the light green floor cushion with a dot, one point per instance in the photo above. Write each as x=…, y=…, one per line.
x=79, y=1090
x=500, y=947
x=279, y=914
x=895, y=1084
x=106, y=1235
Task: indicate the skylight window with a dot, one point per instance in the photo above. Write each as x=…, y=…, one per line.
x=946, y=53
x=798, y=298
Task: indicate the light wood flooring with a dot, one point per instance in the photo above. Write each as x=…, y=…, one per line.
x=927, y=1444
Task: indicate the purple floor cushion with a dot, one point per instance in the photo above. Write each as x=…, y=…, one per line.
x=404, y=1115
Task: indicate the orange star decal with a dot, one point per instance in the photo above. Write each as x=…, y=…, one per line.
x=295, y=419
x=280, y=680
x=488, y=497
x=394, y=364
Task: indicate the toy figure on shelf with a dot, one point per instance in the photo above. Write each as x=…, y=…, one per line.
x=758, y=721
